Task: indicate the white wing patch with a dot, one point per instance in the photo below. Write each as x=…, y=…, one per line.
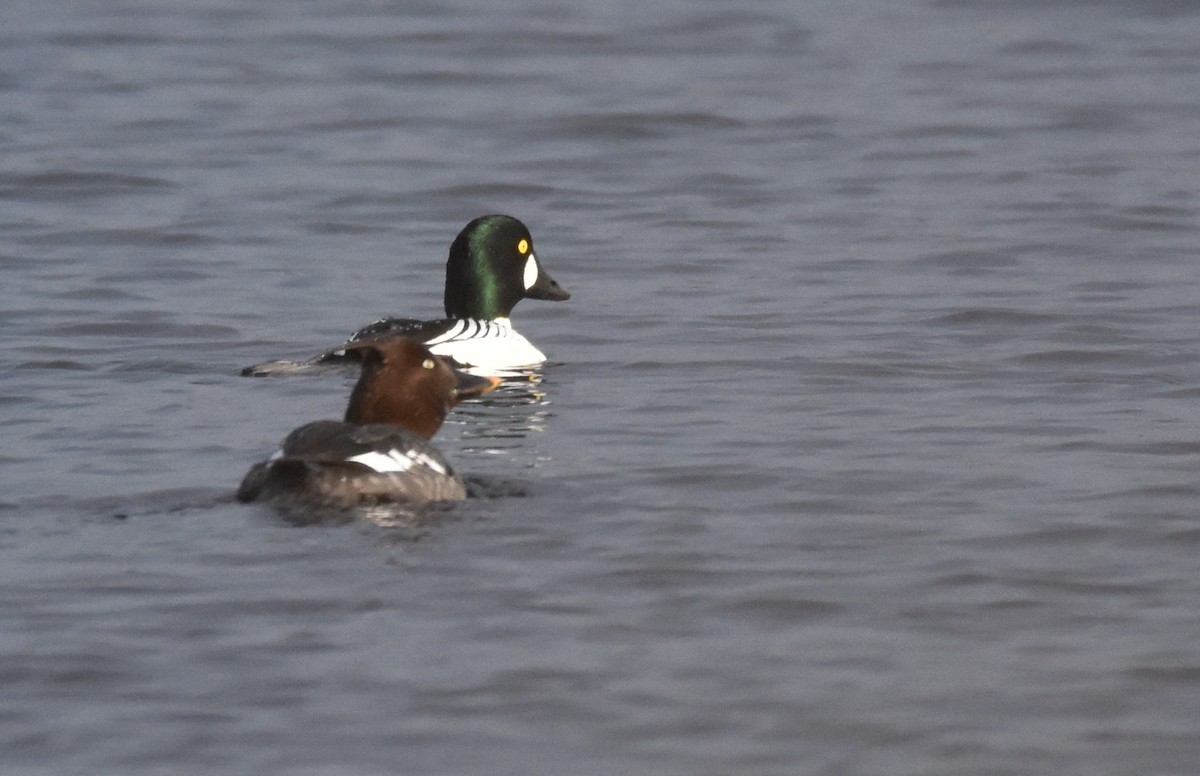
x=397, y=461
x=531, y=272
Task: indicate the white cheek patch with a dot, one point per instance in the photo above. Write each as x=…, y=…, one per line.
x=397, y=461
x=531, y=272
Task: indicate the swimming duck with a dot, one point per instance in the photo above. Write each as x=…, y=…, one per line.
x=491, y=268
x=381, y=452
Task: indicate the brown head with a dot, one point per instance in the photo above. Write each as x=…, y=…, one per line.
x=405, y=385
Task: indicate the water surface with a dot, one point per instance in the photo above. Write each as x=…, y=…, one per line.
x=868, y=442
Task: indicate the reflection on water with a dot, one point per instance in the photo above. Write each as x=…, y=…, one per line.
x=413, y=519
x=501, y=432
x=499, y=420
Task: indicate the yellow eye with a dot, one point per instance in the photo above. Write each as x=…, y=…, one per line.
x=523, y=246
x=427, y=363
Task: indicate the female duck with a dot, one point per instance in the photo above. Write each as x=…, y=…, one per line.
x=381, y=452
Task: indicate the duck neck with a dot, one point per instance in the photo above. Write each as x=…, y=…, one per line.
x=380, y=396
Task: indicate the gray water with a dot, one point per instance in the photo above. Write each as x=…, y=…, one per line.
x=868, y=443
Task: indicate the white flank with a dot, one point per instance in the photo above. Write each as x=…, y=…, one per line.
x=486, y=345
x=511, y=352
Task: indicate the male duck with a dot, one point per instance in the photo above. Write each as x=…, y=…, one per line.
x=381, y=452
x=491, y=267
